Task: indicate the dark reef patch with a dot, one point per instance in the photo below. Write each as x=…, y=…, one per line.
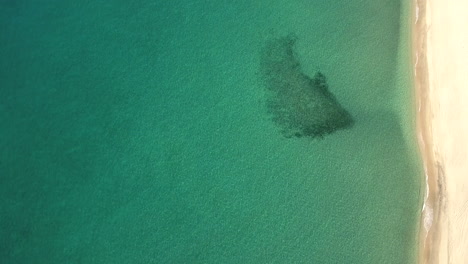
x=301, y=106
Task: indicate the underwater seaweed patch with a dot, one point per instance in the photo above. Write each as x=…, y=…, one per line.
x=301, y=106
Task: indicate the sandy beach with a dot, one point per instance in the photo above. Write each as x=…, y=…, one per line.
x=441, y=71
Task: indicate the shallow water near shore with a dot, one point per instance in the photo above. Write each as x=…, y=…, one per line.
x=139, y=132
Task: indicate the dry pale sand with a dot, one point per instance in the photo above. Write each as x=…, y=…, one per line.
x=441, y=70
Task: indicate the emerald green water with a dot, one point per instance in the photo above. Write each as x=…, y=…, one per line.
x=137, y=132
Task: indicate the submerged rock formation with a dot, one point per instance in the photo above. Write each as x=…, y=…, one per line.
x=301, y=106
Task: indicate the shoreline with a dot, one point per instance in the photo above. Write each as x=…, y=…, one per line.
x=428, y=224
x=440, y=66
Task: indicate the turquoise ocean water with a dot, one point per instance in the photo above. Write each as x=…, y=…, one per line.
x=138, y=132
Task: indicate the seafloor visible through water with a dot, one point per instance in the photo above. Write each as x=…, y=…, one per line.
x=184, y=132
